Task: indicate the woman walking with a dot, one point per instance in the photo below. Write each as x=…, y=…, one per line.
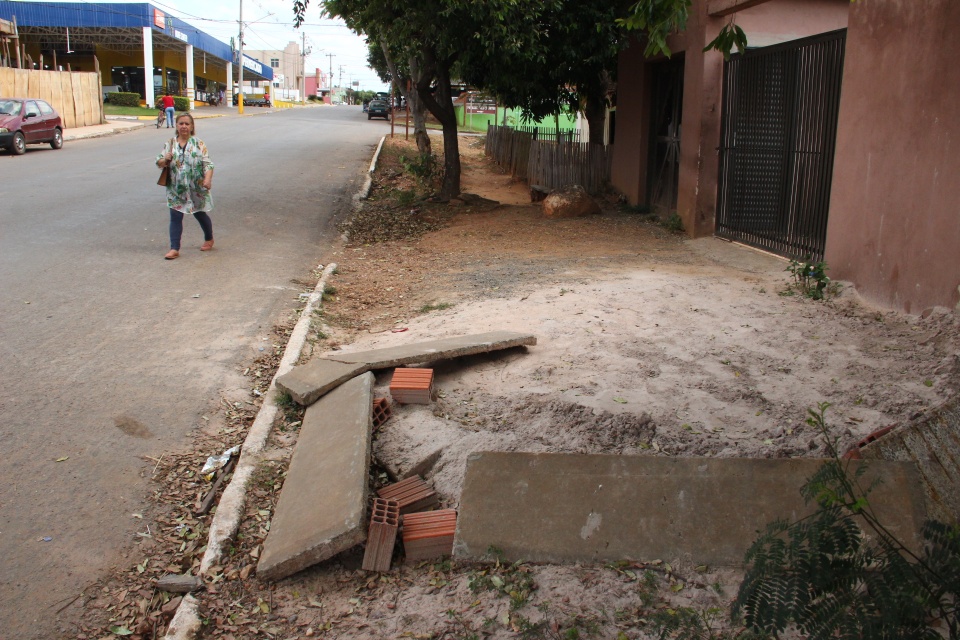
x=188, y=185
x=167, y=104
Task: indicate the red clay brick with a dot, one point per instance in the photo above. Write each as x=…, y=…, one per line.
x=429, y=535
x=413, y=494
x=382, y=411
x=382, y=535
x=412, y=385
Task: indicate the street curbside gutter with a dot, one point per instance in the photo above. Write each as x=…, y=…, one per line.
x=226, y=520
x=364, y=192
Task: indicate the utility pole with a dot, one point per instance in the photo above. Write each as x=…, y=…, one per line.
x=340, y=84
x=240, y=64
x=330, y=77
x=304, y=52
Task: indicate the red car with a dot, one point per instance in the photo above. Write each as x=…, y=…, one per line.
x=26, y=121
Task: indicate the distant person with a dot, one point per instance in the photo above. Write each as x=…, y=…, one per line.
x=220, y=98
x=189, y=183
x=166, y=103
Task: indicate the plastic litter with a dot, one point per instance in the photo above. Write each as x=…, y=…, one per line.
x=217, y=462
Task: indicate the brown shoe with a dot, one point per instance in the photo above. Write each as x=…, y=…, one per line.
x=206, y=246
x=173, y=254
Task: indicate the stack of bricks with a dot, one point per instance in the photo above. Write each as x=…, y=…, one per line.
x=412, y=385
x=382, y=535
x=429, y=534
x=381, y=411
x=412, y=494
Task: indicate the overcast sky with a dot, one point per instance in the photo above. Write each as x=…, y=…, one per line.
x=270, y=26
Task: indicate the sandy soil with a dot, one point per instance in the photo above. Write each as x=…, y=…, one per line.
x=648, y=344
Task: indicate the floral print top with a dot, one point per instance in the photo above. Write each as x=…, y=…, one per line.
x=185, y=192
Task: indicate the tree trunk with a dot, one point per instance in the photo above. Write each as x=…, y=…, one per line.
x=419, y=111
x=412, y=97
x=596, y=115
x=440, y=105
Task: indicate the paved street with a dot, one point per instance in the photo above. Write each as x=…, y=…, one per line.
x=109, y=354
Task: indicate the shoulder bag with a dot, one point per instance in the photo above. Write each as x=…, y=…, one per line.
x=165, y=172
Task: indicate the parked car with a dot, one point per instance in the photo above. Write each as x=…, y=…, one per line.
x=378, y=109
x=26, y=121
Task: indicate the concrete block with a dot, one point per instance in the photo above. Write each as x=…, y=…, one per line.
x=322, y=508
x=546, y=507
x=308, y=382
x=932, y=442
x=382, y=535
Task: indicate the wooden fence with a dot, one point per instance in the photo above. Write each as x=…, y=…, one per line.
x=547, y=162
x=76, y=95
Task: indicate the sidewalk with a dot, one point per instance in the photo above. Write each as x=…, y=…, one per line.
x=122, y=124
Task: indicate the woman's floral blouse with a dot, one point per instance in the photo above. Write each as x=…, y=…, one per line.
x=185, y=190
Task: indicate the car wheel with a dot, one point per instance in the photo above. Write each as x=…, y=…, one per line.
x=19, y=146
x=57, y=142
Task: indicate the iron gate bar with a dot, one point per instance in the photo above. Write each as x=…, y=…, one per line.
x=779, y=120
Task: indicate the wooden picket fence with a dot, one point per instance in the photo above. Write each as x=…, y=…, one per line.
x=76, y=95
x=549, y=163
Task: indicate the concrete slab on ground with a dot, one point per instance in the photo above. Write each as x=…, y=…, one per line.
x=323, y=505
x=545, y=507
x=932, y=441
x=308, y=382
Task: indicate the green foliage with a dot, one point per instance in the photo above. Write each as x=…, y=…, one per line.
x=122, y=99
x=824, y=575
x=640, y=209
x=687, y=623
x=810, y=278
x=180, y=103
x=673, y=223
x=440, y=306
x=730, y=36
x=424, y=168
x=658, y=19
x=507, y=580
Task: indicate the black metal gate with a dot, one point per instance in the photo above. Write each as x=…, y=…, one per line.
x=780, y=108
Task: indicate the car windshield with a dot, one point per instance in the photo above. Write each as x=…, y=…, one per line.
x=10, y=107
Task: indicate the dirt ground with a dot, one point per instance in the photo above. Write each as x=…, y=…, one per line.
x=648, y=344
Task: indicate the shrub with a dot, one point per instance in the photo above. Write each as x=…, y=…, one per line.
x=123, y=99
x=179, y=103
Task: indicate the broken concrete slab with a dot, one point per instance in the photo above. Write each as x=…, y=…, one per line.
x=545, y=507
x=318, y=377
x=932, y=441
x=322, y=508
x=308, y=382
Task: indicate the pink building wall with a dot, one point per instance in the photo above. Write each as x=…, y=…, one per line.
x=894, y=222
x=765, y=24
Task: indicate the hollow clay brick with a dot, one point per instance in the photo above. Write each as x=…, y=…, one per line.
x=382, y=535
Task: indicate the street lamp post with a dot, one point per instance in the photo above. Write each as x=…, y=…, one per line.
x=240, y=64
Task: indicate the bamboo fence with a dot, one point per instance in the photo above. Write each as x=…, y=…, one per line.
x=75, y=95
x=549, y=159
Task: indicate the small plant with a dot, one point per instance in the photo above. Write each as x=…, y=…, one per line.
x=439, y=306
x=810, y=279
x=673, y=224
x=511, y=580
x=405, y=197
x=639, y=209
x=823, y=575
x=424, y=167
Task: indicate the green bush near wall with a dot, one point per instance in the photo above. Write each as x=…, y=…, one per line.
x=179, y=103
x=123, y=99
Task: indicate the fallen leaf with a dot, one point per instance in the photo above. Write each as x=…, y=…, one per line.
x=620, y=400
x=64, y=458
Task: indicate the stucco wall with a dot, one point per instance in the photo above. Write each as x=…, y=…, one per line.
x=894, y=226
x=769, y=23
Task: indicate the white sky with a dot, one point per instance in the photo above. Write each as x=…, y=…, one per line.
x=270, y=26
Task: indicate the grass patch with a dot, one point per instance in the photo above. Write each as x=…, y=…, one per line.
x=118, y=110
x=439, y=306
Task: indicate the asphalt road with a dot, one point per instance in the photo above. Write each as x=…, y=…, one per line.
x=109, y=353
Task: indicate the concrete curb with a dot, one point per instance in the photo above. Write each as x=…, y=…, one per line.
x=364, y=192
x=226, y=520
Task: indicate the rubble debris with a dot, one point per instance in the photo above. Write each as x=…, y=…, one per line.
x=382, y=535
x=412, y=385
x=382, y=411
x=412, y=494
x=174, y=583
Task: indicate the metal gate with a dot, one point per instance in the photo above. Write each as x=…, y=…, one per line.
x=779, y=129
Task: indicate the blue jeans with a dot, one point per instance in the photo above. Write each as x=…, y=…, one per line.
x=176, y=226
x=169, y=111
